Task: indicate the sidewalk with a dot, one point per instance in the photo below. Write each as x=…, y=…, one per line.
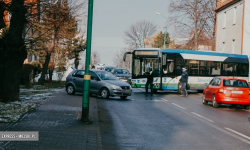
x=59, y=126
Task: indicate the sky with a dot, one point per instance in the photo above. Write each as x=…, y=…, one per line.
x=111, y=18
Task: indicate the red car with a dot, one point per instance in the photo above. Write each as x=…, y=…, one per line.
x=227, y=90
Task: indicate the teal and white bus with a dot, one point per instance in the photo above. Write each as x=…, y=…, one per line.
x=201, y=66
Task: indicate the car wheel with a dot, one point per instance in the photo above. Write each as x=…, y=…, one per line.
x=215, y=104
x=123, y=97
x=70, y=89
x=203, y=100
x=179, y=88
x=199, y=91
x=247, y=107
x=105, y=93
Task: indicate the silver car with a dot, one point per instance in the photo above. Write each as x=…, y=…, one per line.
x=102, y=83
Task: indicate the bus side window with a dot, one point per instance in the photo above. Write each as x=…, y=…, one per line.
x=215, y=68
x=169, y=67
x=243, y=71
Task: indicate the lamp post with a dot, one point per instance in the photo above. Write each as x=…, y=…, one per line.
x=85, y=98
x=165, y=28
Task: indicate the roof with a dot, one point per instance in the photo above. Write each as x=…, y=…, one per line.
x=212, y=53
x=229, y=78
x=143, y=49
x=225, y=5
x=213, y=56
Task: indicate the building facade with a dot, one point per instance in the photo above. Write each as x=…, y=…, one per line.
x=233, y=26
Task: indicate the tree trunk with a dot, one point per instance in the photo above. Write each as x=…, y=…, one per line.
x=196, y=26
x=214, y=31
x=50, y=74
x=14, y=53
x=45, y=69
x=76, y=62
x=47, y=60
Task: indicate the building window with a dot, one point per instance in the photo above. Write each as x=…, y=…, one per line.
x=233, y=45
x=234, y=17
x=225, y=20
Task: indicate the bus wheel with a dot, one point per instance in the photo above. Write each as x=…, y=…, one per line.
x=179, y=88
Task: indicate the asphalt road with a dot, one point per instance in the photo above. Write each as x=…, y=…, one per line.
x=167, y=121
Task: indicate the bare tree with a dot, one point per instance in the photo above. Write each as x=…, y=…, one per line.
x=193, y=16
x=118, y=59
x=138, y=32
x=95, y=58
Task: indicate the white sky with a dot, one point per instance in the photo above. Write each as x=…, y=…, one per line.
x=112, y=17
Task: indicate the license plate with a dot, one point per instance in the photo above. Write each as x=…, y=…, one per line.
x=142, y=85
x=237, y=92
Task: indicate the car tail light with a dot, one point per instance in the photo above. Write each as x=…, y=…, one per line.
x=221, y=90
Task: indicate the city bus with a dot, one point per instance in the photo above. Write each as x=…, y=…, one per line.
x=201, y=67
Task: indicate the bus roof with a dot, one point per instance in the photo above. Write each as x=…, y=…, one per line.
x=208, y=55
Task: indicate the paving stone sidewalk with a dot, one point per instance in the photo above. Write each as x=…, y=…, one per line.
x=59, y=126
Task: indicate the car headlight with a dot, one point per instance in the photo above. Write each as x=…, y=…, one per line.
x=115, y=87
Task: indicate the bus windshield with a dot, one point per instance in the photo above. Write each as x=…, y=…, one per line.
x=142, y=66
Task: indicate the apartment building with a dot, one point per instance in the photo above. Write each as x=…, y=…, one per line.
x=233, y=26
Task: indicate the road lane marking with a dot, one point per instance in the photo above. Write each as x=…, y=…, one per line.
x=178, y=106
x=247, y=137
x=164, y=99
x=202, y=117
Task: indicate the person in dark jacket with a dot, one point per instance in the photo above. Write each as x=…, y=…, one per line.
x=184, y=81
x=150, y=79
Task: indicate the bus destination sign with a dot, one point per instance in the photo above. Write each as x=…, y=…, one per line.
x=146, y=53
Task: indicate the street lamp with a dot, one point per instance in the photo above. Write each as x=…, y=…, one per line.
x=165, y=28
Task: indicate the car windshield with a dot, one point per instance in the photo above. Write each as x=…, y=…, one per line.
x=121, y=71
x=109, y=69
x=235, y=83
x=106, y=75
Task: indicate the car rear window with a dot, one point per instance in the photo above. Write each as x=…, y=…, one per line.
x=235, y=83
x=121, y=71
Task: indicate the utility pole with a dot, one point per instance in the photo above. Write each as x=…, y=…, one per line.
x=165, y=28
x=86, y=82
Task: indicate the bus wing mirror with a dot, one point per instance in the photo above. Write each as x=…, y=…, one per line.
x=124, y=56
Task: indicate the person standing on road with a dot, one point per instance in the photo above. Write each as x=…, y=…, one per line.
x=184, y=81
x=150, y=79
